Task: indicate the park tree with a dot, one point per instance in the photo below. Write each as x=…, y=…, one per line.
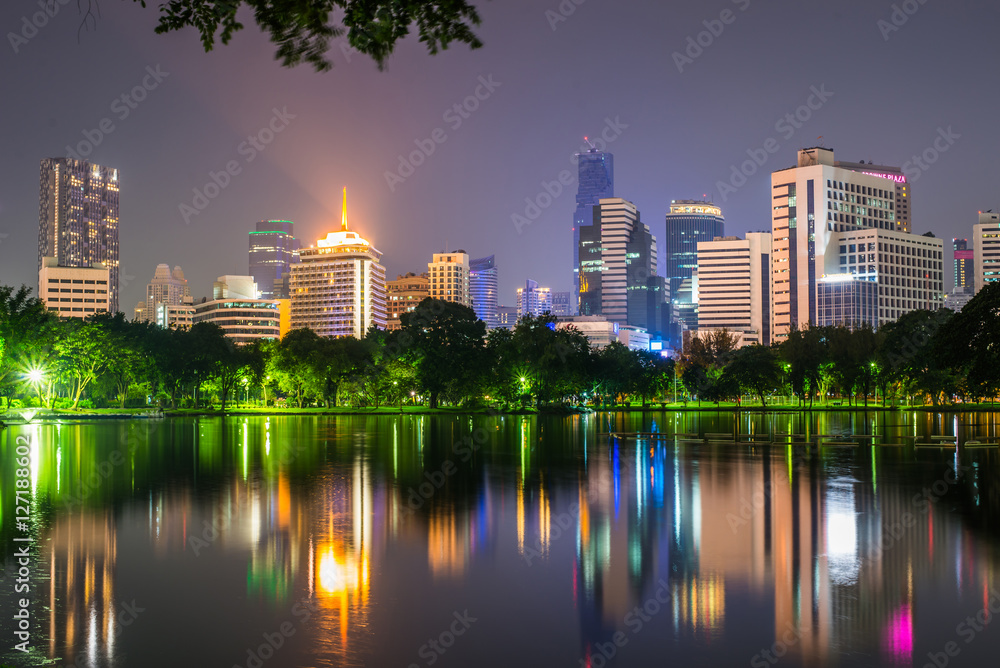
x=804, y=352
x=83, y=350
x=302, y=29
x=446, y=342
x=971, y=342
x=754, y=369
x=294, y=362
x=27, y=336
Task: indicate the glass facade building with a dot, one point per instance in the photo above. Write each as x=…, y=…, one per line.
x=847, y=300
x=78, y=217
x=483, y=286
x=596, y=181
x=688, y=222
x=273, y=250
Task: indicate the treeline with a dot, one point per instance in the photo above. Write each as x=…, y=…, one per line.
x=443, y=355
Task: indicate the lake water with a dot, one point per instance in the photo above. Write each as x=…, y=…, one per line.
x=503, y=541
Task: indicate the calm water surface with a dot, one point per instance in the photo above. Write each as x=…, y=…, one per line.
x=504, y=541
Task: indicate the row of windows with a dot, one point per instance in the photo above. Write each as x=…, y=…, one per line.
x=77, y=281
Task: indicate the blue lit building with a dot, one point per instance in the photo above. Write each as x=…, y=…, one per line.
x=596, y=182
x=483, y=288
x=273, y=250
x=688, y=222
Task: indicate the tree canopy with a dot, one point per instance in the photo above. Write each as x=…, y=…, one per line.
x=302, y=29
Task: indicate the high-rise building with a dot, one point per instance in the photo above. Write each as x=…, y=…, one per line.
x=734, y=287
x=596, y=181
x=167, y=288
x=533, y=300
x=483, y=286
x=78, y=217
x=273, y=250
x=236, y=308
x=617, y=259
x=688, y=222
x=874, y=276
x=562, y=303
x=813, y=205
x=986, y=249
x=338, y=286
x=896, y=176
x=73, y=292
x=404, y=294
x=449, y=274
x=964, y=259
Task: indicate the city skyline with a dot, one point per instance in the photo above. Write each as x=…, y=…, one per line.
x=529, y=124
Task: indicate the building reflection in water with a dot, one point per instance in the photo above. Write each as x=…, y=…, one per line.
x=811, y=536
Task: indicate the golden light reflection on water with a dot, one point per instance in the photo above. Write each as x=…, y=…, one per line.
x=795, y=529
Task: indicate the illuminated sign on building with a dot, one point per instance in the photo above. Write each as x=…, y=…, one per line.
x=898, y=178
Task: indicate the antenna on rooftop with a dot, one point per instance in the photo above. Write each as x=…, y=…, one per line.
x=587, y=139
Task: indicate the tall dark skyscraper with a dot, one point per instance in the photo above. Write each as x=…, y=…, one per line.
x=78, y=217
x=273, y=250
x=964, y=264
x=483, y=286
x=596, y=182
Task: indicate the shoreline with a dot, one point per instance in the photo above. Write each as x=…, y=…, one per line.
x=146, y=414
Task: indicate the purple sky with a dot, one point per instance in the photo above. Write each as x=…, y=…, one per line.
x=891, y=92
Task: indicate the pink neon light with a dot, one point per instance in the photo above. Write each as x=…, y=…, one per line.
x=899, y=636
x=898, y=178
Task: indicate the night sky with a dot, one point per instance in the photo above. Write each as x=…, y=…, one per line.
x=678, y=132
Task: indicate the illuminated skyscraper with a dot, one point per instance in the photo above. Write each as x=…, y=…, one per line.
x=338, y=286
x=617, y=259
x=449, y=275
x=168, y=298
x=596, y=182
x=533, y=300
x=273, y=250
x=964, y=259
x=841, y=249
x=78, y=217
x=483, y=286
x=986, y=247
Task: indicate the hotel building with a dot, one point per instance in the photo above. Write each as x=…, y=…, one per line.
x=78, y=217
x=986, y=249
x=814, y=205
x=338, y=286
x=74, y=292
x=404, y=294
x=449, y=276
x=965, y=261
x=734, y=289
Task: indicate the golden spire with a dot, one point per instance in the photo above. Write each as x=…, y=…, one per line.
x=343, y=215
